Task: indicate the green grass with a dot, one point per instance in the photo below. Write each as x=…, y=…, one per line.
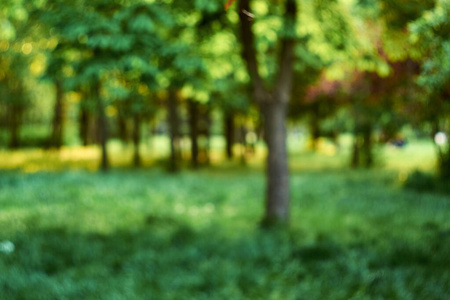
x=145, y=234
x=148, y=235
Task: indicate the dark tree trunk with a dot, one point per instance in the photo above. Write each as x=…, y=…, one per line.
x=102, y=128
x=137, y=139
x=206, y=131
x=88, y=124
x=277, y=196
x=367, y=145
x=273, y=105
x=229, y=129
x=84, y=125
x=122, y=128
x=315, y=131
x=243, y=142
x=15, y=118
x=362, y=154
x=444, y=165
x=56, y=139
x=174, y=123
x=193, y=124
x=355, y=153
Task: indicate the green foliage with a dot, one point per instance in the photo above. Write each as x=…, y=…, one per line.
x=134, y=235
x=426, y=182
x=396, y=14
x=420, y=181
x=334, y=24
x=431, y=32
x=444, y=165
x=399, y=13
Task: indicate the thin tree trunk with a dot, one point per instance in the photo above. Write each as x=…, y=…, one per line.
x=355, y=152
x=3, y=121
x=88, y=125
x=122, y=128
x=58, y=117
x=83, y=125
x=137, y=139
x=444, y=165
x=207, y=131
x=174, y=124
x=193, y=124
x=14, y=126
x=367, y=145
x=102, y=128
x=277, y=195
x=315, y=131
x=243, y=142
x=229, y=133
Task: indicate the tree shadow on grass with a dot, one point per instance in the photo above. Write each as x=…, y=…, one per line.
x=168, y=259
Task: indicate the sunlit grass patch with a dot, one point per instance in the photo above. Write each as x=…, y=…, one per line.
x=34, y=160
x=414, y=155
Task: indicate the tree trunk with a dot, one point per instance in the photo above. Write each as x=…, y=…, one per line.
x=355, y=152
x=444, y=165
x=277, y=195
x=206, y=131
x=58, y=117
x=229, y=129
x=174, y=123
x=193, y=124
x=273, y=105
x=243, y=142
x=137, y=139
x=88, y=125
x=14, y=125
x=367, y=145
x=122, y=128
x=83, y=125
x=315, y=131
x=102, y=128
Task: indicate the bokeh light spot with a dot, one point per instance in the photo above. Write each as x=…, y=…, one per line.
x=27, y=48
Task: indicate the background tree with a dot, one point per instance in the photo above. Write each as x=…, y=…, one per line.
x=17, y=54
x=273, y=104
x=431, y=34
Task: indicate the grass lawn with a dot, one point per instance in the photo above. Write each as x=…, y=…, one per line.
x=145, y=234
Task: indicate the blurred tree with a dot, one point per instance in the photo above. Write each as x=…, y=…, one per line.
x=16, y=54
x=384, y=68
x=233, y=106
x=13, y=96
x=365, y=99
x=380, y=102
x=139, y=69
x=227, y=80
x=320, y=102
x=431, y=33
x=114, y=48
x=183, y=71
x=55, y=73
x=273, y=105
x=271, y=42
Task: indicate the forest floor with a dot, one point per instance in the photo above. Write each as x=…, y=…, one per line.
x=146, y=234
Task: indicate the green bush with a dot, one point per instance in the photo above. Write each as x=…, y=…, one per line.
x=444, y=167
x=425, y=182
x=421, y=182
